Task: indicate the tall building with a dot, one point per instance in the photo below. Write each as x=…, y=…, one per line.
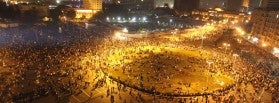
x=161, y=3
x=186, y=5
x=266, y=25
x=245, y=3
x=254, y=4
x=244, y=6
x=92, y=4
x=89, y=9
x=270, y=4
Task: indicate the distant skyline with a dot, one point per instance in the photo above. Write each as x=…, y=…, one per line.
x=235, y=5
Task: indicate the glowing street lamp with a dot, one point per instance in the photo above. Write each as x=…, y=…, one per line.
x=119, y=36
x=209, y=62
x=275, y=50
x=86, y=25
x=255, y=39
x=264, y=44
x=125, y=30
x=144, y=19
x=235, y=56
x=118, y=18
x=226, y=45
x=108, y=19
x=203, y=37
x=58, y=1
x=133, y=19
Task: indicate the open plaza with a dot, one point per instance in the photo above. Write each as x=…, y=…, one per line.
x=165, y=66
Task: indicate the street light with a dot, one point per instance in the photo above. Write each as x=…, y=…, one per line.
x=125, y=30
x=209, y=64
x=108, y=19
x=203, y=37
x=144, y=19
x=255, y=39
x=264, y=44
x=226, y=46
x=235, y=55
x=276, y=51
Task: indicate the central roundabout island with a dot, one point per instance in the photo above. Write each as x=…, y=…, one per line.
x=167, y=69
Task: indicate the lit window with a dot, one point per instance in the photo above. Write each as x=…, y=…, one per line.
x=277, y=16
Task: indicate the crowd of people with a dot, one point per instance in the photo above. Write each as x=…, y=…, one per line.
x=66, y=67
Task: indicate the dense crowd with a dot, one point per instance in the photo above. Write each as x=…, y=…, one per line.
x=54, y=67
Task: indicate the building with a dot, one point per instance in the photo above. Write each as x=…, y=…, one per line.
x=265, y=22
x=266, y=26
x=218, y=15
x=245, y=3
x=89, y=8
x=253, y=4
x=183, y=6
x=92, y=4
x=84, y=13
x=162, y=3
x=270, y=4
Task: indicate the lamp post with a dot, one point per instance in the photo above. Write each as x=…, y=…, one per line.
x=203, y=37
x=235, y=55
x=209, y=65
x=226, y=45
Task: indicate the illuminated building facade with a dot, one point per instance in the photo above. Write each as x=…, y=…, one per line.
x=89, y=8
x=219, y=15
x=253, y=4
x=92, y=4
x=245, y=3
x=266, y=25
x=84, y=13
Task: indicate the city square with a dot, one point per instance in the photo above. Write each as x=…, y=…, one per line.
x=139, y=51
x=150, y=66
x=153, y=68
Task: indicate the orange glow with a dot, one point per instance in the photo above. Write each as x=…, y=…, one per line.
x=87, y=13
x=84, y=11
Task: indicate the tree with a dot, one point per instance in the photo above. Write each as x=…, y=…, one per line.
x=63, y=10
x=70, y=13
x=58, y=11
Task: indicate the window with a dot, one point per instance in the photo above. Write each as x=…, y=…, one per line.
x=277, y=16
